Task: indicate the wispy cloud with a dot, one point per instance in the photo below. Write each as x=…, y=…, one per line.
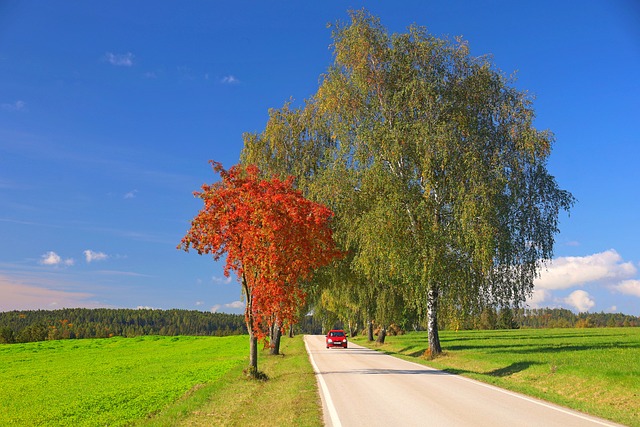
x=22, y=296
x=91, y=256
x=119, y=59
x=131, y=194
x=52, y=258
x=122, y=273
x=628, y=287
x=234, y=306
x=221, y=280
x=16, y=106
x=230, y=80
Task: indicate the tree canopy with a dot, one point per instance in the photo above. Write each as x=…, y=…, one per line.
x=273, y=239
x=431, y=161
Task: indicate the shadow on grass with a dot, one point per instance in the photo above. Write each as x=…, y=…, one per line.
x=500, y=372
x=514, y=368
x=537, y=348
x=511, y=369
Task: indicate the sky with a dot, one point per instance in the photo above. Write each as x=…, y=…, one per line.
x=110, y=112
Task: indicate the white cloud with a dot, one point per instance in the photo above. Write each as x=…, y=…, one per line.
x=628, y=287
x=52, y=258
x=120, y=59
x=199, y=303
x=235, y=304
x=16, y=106
x=230, y=80
x=131, y=194
x=581, y=300
x=568, y=272
x=90, y=255
x=221, y=280
x=538, y=298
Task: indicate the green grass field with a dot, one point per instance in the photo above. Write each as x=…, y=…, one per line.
x=159, y=381
x=107, y=381
x=596, y=371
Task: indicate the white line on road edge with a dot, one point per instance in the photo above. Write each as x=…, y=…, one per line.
x=523, y=397
x=540, y=402
x=333, y=414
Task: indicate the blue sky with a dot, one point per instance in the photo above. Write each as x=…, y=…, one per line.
x=109, y=112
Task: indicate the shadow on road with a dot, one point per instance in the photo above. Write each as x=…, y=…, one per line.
x=389, y=372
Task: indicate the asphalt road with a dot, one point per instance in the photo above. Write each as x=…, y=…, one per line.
x=362, y=387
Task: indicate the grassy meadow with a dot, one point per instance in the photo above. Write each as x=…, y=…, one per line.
x=152, y=380
x=199, y=381
x=596, y=371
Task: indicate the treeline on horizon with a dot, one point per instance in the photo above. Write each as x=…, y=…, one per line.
x=488, y=319
x=78, y=323
x=541, y=318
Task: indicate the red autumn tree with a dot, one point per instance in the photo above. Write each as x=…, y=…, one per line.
x=273, y=238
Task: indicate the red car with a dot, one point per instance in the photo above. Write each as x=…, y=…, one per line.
x=336, y=338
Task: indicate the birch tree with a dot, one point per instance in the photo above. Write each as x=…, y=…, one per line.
x=446, y=149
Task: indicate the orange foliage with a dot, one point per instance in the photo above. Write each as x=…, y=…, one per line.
x=272, y=236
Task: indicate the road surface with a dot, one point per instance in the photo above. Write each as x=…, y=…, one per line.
x=362, y=387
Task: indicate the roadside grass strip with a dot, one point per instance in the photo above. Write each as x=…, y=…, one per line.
x=595, y=371
x=288, y=398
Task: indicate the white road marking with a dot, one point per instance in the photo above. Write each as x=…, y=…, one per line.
x=528, y=399
x=333, y=414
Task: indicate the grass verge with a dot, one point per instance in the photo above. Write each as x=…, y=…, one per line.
x=596, y=371
x=288, y=398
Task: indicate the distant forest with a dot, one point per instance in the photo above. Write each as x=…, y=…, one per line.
x=534, y=318
x=70, y=323
x=75, y=323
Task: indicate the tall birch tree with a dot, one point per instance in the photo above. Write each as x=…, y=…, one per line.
x=447, y=150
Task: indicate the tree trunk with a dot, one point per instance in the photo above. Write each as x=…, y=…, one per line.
x=353, y=329
x=253, y=353
x=370, y=330
x=432, y=322
x=253, y=339
x=291, y=330
x=382, y=334
x=276, y=334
